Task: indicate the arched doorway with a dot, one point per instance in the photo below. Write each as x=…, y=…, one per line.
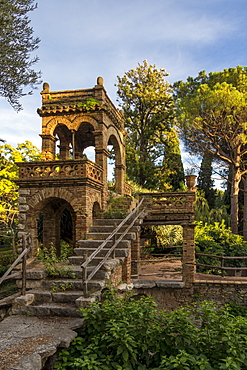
x=55, y=224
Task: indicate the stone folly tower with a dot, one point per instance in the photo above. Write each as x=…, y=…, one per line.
x=60, y=195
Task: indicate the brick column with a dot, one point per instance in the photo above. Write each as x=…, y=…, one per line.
x=188, y=260
x=120, y=178
x=48, y=147
x=51, y=229
x=126, y=270
x=63, y=152
x=23, y=227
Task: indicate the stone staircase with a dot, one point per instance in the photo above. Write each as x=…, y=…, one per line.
x=64, y=296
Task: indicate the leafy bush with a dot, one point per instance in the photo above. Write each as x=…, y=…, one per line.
x=125, y=333
x=52, y=263
x=219, y=240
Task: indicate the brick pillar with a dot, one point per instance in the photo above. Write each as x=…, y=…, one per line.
x=126, y=270
x=135, y=256
x=188, y=260
x=49, y=236
x=82, y=223
x=120, y=178
x=48, y=147
x=23, y=227
x=63, y=152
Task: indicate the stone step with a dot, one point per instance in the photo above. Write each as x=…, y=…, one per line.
x=32, y=274
x=110, y=221
x=104, y=236
x=49, y=309
x=46, y=296
x=78, y=260
x=88, y=244
x=73, y=284
x=110, y=228
x=124, y=252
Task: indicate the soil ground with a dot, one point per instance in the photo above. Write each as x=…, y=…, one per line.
x=171, y=269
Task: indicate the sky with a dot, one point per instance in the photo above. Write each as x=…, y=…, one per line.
x=84, y=39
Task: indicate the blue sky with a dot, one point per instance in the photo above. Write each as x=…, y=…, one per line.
x=84, y=39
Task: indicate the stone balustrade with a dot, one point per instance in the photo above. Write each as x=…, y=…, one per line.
x=169, y=208
x=60, y=169
x=179, y=202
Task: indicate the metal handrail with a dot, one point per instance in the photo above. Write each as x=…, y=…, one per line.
x=101, y=246
x=18, y=259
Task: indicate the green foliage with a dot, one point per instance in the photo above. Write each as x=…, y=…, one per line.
x=204, y=180
x=168, y=235
x=152, y=148
x=89, y=104
x=219, y=240
x=125, y=333
x=236, y=310
x=52, y=262
x=62, y=287
x=116, y=207
x=16, y=45
x=212, y=115
x=207, y=215
x=8, y=173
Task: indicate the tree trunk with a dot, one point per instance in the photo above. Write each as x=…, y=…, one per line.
x=236, y=178
x=244, y=178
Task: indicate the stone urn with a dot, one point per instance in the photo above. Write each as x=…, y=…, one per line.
x=190, y=182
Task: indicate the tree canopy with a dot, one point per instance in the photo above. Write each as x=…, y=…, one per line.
x=212, y=114
x=146, y=99
x=16, y=46
x=24, y=152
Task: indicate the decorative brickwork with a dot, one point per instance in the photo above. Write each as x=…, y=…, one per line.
x=59, y=197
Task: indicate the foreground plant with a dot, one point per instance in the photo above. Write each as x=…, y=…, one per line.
x=125, y=333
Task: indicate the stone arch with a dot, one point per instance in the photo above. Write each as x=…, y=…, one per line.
x=51, y=125
x=56, y=193
x=79, y=120
x=54, y=227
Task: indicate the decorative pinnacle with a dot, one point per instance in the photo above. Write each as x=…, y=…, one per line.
x=46, y=87
x=100, y=81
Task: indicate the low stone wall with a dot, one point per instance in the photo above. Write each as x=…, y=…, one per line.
x=170, y=295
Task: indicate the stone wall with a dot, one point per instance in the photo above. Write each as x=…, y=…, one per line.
x=171, y=295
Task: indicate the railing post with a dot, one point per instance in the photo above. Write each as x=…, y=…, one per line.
x=24, y=266
x=222, y=265
x=84, y=276
x=113, y=242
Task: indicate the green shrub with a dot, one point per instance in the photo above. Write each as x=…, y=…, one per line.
x=124, y=333
x=219, y=240
x=52, y=263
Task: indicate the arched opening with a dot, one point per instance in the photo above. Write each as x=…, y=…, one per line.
x=89, y=153
x=63, y=142
x=56, y=224
x=96, y=210
x=85, y=142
